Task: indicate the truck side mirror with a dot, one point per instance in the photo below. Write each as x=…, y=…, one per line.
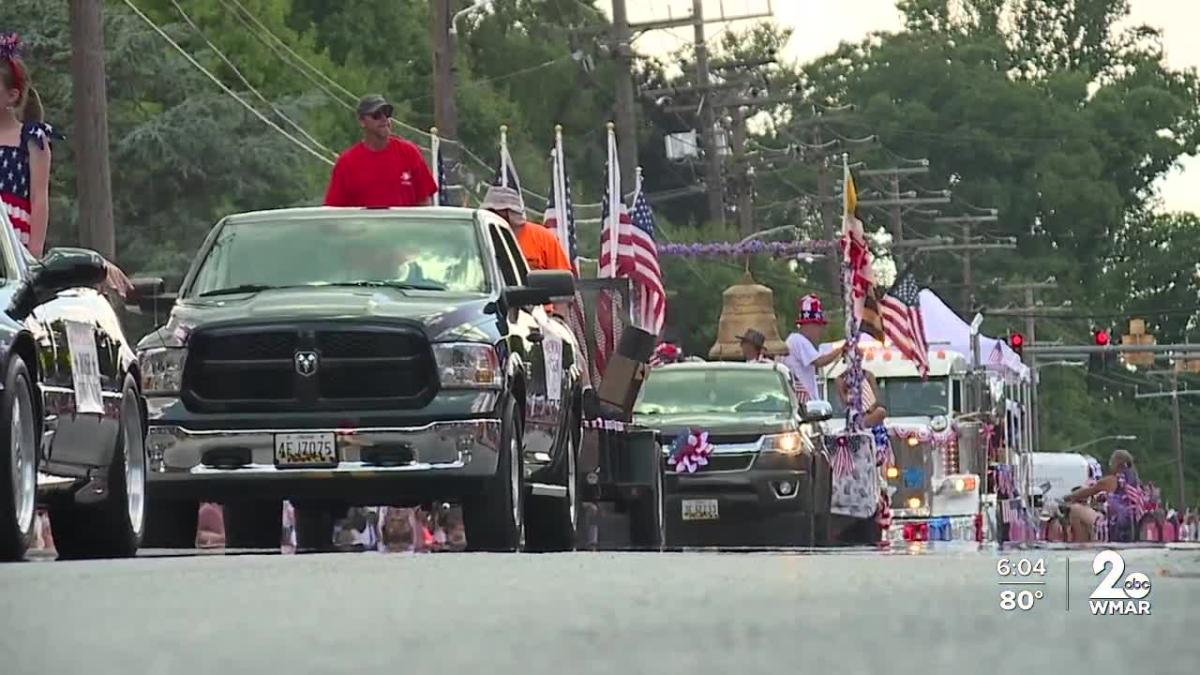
x=816, y=411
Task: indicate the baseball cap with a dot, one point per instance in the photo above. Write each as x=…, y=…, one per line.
x=754, y=337
x=373, y=103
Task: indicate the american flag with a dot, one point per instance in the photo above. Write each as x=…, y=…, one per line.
x=562, y=223
x=903, y=323
x=996, y=358
x=643, y=266
x=855, y=251
x=443, y=194
x=616, y=225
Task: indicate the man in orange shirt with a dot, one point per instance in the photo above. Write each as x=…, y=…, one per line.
x=541, y=248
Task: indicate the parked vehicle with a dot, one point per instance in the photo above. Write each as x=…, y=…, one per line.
x=767, y=480
x=71, y=411
x=341, y=357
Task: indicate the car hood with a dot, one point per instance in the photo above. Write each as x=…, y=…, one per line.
x=718, y=424
x=443, y=316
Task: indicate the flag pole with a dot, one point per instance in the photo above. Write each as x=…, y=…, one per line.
x=504, y=155
x=560, y=190
x=614, y=200
x=435, y=143
x=853, y=356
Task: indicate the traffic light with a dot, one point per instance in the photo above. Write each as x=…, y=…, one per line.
x=1017, y=342
x=1102, y=337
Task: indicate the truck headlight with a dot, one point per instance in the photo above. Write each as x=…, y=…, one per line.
x=467, y=365
x=162, y=370
x=790, y=443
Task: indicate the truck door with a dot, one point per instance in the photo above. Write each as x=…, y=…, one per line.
x=527, y=339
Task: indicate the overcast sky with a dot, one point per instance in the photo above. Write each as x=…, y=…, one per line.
x=819, y=25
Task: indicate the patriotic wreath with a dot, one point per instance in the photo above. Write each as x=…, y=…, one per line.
x=690, y=451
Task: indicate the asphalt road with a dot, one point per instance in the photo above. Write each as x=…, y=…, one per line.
x=694, y=613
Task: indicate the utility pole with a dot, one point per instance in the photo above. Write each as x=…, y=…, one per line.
x=93, y=175
x=897, y=222
x=445, y=106
x=744, y=173
x=826, y=198
x=1177, y=437
x=1030, y=312
x=712, y=158
x=968, y=291
x=969, y=246
x=626, y=104
x=708, y=103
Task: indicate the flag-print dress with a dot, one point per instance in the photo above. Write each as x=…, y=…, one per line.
x=15, y=178
x=858, y=493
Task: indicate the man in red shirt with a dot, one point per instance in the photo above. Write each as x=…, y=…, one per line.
x=381, y=170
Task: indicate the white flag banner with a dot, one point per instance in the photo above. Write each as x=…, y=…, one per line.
x=85, y=368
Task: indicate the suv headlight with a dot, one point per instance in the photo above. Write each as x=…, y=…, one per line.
x=162, y=370
x=791, y=443
x=470, y=365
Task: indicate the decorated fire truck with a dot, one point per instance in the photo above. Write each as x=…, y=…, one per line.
x=959, y=445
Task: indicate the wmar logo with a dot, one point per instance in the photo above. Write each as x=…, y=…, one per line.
x=1118, y=594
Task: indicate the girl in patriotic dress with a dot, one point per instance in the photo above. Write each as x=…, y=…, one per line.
x=859, y=493
x=24, y=150
x=25, y=157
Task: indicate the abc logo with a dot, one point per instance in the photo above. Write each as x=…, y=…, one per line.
x=1116, y=585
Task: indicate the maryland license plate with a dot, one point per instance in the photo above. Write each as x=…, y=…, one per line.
x=308, y=449
x=700, y=509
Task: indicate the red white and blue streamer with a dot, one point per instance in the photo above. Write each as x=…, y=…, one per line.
x=690, y=451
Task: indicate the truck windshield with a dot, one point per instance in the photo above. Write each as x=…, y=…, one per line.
x=363, y=250
x=715, y=390
x=906, y=397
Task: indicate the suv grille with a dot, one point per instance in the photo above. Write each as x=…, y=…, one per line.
x=259, y=368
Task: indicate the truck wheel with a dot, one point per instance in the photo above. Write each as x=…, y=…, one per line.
x=114, y=527
x=495, y=518
x=647, y=522
x=171, y=524
x=314, y=528
x=553, y=524
x=18, y=466
x=253, y=523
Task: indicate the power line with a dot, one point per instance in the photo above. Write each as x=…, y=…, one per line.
x=246, y=82
x=226, y=89
x=348, y=95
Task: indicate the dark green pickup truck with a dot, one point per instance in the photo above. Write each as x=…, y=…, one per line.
x=767, y=479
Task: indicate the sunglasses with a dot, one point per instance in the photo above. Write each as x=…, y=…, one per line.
x=381, y=114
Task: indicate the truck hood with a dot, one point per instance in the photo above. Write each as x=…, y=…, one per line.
x=443, y=316
x=839, y=423
x=717, y=424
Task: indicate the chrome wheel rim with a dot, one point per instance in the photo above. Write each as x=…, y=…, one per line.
x=514, y=483
x=23, y=460
x=572, y=508
x=135, y=467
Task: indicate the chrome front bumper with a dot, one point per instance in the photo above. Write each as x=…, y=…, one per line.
x=468, y=448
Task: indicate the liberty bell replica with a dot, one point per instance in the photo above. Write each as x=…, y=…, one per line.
x=746, y=305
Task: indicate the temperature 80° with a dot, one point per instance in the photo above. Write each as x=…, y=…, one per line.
x=1022, y=600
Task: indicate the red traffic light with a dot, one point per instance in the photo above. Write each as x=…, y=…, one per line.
x=1016, y=341
x=1103, y=338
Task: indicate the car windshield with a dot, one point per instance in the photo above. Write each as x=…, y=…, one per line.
x=713, y=390
x=906, y=397
x=363, y=249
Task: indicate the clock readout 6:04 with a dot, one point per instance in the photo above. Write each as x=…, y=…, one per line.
x=1020, y=568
